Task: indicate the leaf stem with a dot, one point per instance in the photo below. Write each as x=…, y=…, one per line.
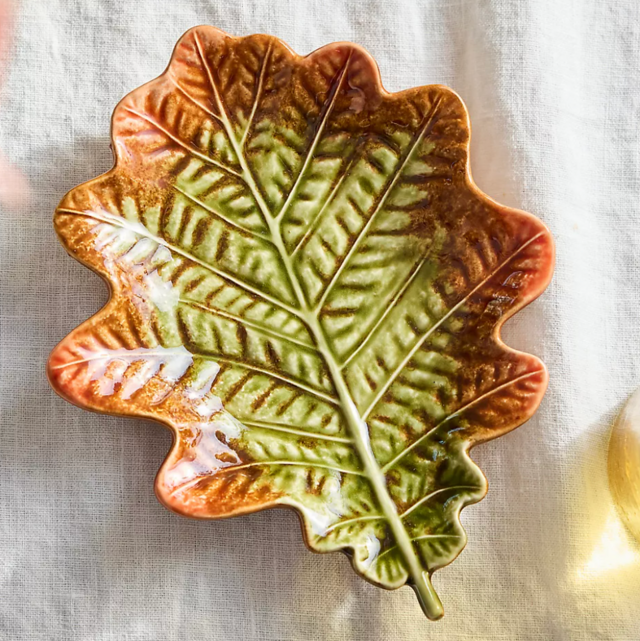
x=420, y=580
x=428, y=598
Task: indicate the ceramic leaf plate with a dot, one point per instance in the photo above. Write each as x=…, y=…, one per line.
x=307, y=288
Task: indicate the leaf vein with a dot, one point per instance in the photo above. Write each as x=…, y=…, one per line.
x=249, y=323
x=263, y=69
x=465, y=407
x=183, y=144
x=419, y=538
x=235, y=468
x=229, y=221
x=356, y=519
x=118, y=221
x=277, y=427
x=269, y=373
x=429, y=120
x=316, y=139
x=439, y=323
x=387, y=308
x=189, y=97
x=429, y=496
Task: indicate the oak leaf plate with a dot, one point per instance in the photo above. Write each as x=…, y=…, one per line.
x=307, y=288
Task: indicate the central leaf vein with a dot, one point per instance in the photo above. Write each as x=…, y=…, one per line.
x=357, y=426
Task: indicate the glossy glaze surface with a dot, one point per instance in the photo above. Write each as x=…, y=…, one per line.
x=307, y=288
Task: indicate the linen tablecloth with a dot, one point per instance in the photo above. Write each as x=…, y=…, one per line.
x=86, y=551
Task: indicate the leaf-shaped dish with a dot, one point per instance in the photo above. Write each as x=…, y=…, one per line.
x=307, y=288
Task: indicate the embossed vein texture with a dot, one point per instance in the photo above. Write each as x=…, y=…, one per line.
x=307, y=288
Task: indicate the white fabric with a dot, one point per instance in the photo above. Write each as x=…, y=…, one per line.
x=87, y=553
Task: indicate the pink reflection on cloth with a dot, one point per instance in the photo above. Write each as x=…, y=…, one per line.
x=14, y=188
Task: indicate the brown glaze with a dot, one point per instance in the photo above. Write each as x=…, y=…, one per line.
x=308, y=289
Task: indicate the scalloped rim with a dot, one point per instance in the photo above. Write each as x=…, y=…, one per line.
x=541, y=282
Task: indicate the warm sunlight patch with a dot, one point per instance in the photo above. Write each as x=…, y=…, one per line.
x=614, y=550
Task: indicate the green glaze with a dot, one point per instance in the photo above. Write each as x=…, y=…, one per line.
x=307, y=288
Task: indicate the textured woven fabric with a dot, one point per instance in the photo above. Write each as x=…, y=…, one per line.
x=87, y=553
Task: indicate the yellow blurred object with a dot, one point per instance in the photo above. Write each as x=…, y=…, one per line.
x=624, y=464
